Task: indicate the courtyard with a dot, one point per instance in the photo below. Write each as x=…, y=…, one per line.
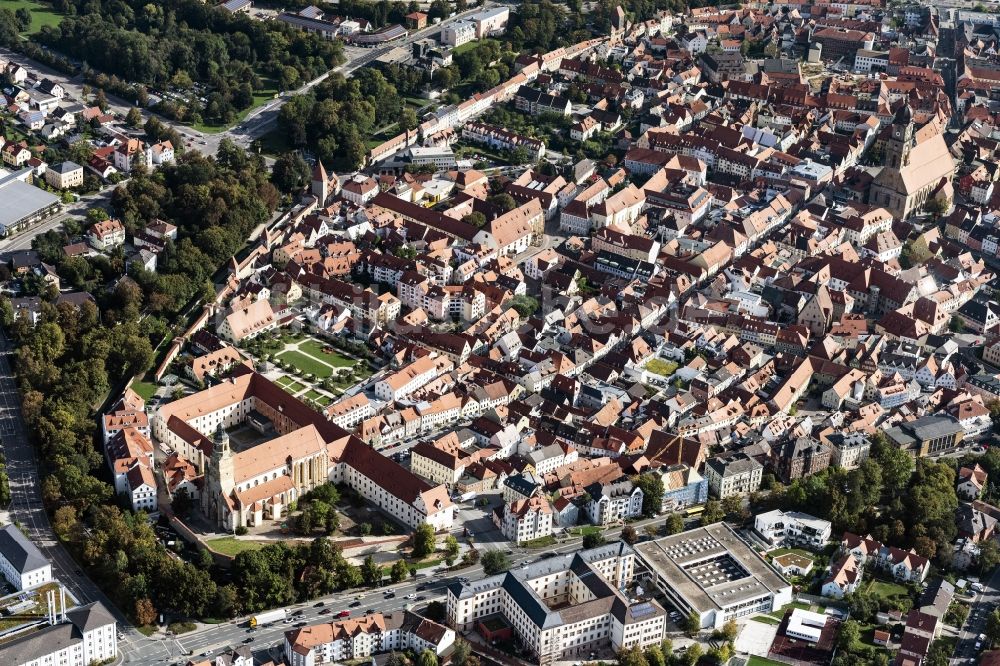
x=309, y=368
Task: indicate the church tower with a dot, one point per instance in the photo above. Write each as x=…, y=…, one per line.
x=897, y=148
x=219, y=476
x=320, y=186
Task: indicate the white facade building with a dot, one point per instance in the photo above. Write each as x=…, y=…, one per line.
x=792, y=528
x=21, y=563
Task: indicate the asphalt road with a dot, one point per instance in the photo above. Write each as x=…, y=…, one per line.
x=981, y=607
x=216, y=639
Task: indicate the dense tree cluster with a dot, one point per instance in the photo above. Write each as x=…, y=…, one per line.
x=125, y=558
x=66, y=364
x=885, y=497
x=280, y=574
x=215, y=205
x=187, y=42
x=337, y=116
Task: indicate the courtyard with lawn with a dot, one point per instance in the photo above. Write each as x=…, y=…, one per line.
x=308, y=367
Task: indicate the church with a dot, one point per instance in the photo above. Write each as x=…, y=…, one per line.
x=918, y=166
x=284, y=449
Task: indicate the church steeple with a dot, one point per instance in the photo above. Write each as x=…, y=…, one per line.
x=897, y=148
x=220, y=443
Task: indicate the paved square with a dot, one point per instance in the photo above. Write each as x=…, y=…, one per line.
x=756, y=638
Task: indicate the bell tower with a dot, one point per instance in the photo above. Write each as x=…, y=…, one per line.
x=897, y=148
x=219, y=475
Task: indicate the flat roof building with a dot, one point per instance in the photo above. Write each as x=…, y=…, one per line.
x=23, y=204
x=711, y=571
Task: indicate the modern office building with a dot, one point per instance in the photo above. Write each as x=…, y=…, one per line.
x=712, y=572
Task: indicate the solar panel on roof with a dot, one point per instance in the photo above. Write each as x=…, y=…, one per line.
x=642, y=610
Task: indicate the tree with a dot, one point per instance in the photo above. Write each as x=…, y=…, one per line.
x=145, y=613
x=461, y=651
x=734, y=508
x=495, y=561
x=503, y=201
x=290, y=172
x=896, y=465
x=476, y=219
x=424, y=540
x=399, y=571
x=632, y=656
x=451, y=547
x=992, y=630
x=523, y=304
x=407, y=119
x=693, y=654
x=989, y=556
x=655, y=656
x=629, y=535
x=427, y=658
x=850, y=635
x=673, y=524
x=721, y=653
x=692, y=624
x=713, y=513
x=652, y=492
x=371, y=572
x=730, y=630
x=133, y=118
x=956, y=325
x=435, y=611
x=593, y=540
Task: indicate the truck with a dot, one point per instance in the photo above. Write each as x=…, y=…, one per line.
x=270, y=617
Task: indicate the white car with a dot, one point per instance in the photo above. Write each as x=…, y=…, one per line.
x=411, y=596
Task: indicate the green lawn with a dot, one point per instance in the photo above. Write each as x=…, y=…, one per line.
x=144, y=389
x=661, y=367
x=232, y=546
x=306, y=363
x=795, y=604
x=323, y=401
x=291, y=385
x=585, y=530
x=766, y=619
x=540, y=542
x=887, y=590
x=41, y=14
x=314, y=348
x=468, y=46
x=785, y=551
